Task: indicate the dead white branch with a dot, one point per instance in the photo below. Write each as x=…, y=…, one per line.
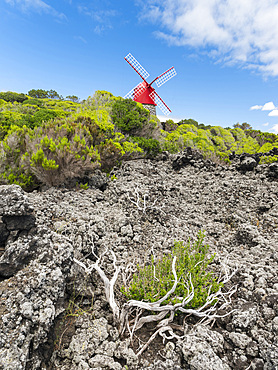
x=108, y=284
x=140, y=200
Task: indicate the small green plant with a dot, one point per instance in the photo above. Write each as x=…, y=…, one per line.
x=152, y=282
x=74, y=307
x=81, y=186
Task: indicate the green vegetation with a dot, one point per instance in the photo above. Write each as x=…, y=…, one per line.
x=269, y=159
x=60, y=150
x=129, y=116
x=41, y=94
x=150, y=146
x=74, y=309
x=151, y=282
x=42, y=135
x=12, y=97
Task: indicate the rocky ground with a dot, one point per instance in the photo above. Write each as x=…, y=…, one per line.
x=53, y=316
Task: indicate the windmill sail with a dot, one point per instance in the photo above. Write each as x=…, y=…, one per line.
x=160, y=103
x=137, y=66
x=166, y=76
x=136, y=92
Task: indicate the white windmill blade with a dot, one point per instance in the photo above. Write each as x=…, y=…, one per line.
x=137, y=66
x=166, y=76
x=160, y=103
x=136, y=91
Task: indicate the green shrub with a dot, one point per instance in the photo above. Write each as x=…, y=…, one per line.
x=268, y=146
x=36, y=119
x=36, y=102
x=189, y=121
x=101, y=99
x=262, y=137
x=12, y=149
x=100, y=117
x=268, y=159
x=150, y=146
x=170, y=125
x=60, y=150
x=12, y=97
x=7, y=119
x=153, y=281
x=129, y=116
x=112, y=146
x=51, y=154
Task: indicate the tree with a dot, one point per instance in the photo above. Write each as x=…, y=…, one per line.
x=40, y=93
x=73, y=98
x=243, y=126
x=189, y=121
x=52, y=94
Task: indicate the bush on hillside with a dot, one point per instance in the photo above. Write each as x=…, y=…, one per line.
x=60, y=150
x=49, y=155
x=12, y=148
x=129, y=116
x=12, y=97
x=151, y=146
x=35, y=102
x=100, y=100
x=269, y=159
x=36, y=119
x=170, y=125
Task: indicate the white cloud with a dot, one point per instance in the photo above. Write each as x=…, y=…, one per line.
x=275, y=129
x=256, y=107
x=266, y=124
x=99, y=29
x=101, y=17
x=273, y=113
x=80, y=38
x=36, y=5
x=235, y=31
x=269, y=106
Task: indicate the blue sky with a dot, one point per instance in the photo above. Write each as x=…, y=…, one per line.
x=225, y=53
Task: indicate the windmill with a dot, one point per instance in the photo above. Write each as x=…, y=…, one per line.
x=144, y=92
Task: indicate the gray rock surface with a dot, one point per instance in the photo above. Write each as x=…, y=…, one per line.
x=183, y=193
x=34, y=267
x=247, y=164
x=13, y=201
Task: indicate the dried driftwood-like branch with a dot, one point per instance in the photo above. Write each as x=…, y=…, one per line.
x=141, y=201
x=108, y=284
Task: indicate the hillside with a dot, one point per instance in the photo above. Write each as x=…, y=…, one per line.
x=133, y=243
x=55, y=316
x=50, y=141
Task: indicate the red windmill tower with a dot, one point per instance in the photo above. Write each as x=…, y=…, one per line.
x=144, y=92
